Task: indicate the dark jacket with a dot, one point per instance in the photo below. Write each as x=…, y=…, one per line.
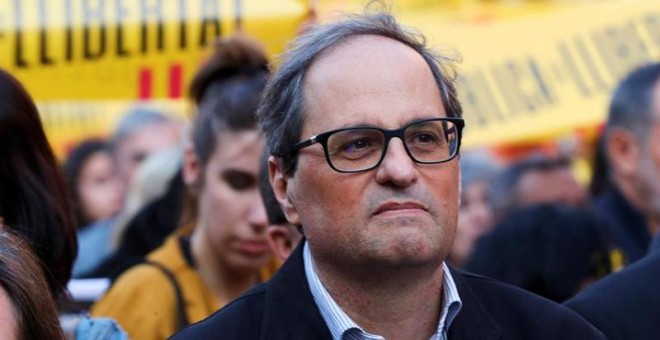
x=625, y=305
x=283, y=308
x=627, y=227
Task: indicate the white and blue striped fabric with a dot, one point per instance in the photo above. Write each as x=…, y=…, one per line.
x=343, y=328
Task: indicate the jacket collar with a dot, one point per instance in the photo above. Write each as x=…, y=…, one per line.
x=628, y=226
x=290, y=311
x=474, y=321
x=615, y=203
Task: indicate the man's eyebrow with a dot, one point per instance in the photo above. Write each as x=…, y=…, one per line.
x=419, y=119
x=361, y=125
x=366, y=125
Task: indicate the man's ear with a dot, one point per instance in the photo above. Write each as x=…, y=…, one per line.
x=623, y=152
x=278, y=239
x=192, y=169
x=280, y=183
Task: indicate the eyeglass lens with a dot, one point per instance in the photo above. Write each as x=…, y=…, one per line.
x=362, y=148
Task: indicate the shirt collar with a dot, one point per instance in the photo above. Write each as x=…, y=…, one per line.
x=341, y=324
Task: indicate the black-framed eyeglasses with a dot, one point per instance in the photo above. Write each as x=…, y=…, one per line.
x=355, y=149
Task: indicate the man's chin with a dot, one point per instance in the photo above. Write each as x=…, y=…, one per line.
x=397, y=222
x=412, y=248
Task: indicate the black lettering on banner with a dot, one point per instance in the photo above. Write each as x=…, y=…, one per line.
x=44, y=59
x=155, y=10
x=573, y=71
x=90, y=15
x=478, y=99
x=68, y=31
x=210, y=17
x=19, y=58
x=182, y=25
x=505, y=85
x=651, y=23
x=590, y=65
x=522, y=86
x=621, y=48
x=544, y=95
x=121, y=15
x=513, y=81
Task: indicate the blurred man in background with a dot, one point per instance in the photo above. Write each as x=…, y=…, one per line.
x=140, y=133
x=533, y=180
x=549, y=249
x=631, y=202
x=625, y=305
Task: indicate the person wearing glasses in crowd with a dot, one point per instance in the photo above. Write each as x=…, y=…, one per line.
x=363, y=125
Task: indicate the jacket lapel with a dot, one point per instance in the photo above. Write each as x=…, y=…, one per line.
x=290, y=311
x=473, y=321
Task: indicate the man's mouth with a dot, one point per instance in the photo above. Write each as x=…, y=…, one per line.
x=400, y=208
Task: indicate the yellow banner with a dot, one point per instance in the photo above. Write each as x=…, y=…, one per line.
x=532, y=70
x=87, y=61
x=535, y=75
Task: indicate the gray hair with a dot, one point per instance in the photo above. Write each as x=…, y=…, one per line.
x=631, y=105
x=283, y=107
x=135, y=120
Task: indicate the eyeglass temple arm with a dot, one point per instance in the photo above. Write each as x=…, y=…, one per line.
x=305, y=144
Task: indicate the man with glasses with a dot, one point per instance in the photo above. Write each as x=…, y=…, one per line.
x=364, y=128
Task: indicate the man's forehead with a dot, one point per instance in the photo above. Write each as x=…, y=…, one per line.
x=371, y=52
x=371, y=75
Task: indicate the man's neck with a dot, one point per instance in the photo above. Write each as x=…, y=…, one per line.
x=397, y=303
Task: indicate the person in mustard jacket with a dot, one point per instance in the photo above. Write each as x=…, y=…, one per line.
x=222, y=249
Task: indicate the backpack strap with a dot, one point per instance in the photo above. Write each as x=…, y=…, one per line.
x=182, y=318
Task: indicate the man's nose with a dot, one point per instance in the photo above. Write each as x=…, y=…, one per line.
x=397, y=168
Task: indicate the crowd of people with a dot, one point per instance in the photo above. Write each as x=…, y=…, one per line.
x=328, y=198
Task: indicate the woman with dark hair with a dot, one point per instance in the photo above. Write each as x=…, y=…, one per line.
x=27, y=310
x=93, y=185
x=221, y=249
x=33, y=198
x=34, y=205
x=550, y=249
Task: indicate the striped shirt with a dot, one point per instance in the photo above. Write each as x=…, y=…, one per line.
x=343, y=328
